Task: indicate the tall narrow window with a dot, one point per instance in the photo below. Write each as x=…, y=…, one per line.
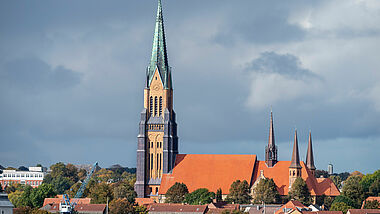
x=160, y=106
x=151, y=105
x=151, y=161
x=155, y=106
x=160, y=160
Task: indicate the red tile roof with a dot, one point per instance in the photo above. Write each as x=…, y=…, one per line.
x=292, y=204
x=209, y=171
x=59, y=199
x=362, y=211
x=280, y=175
x=322, y=212
x=221, y=207
x=177, y=208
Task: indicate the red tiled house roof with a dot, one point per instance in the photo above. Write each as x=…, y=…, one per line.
x=59, y=199
x=292, y=204
x=209, y=171
x=177, y=208
x=322, y=212
x=144, y=201
x=371, y=198
x=362, y=211
x=280, y=174
x=81, y=208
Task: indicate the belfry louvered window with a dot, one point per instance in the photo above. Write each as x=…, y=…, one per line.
x=155, y=106
x=151, y=161
x=160, y=106
x=157, y=162
x=151, y=105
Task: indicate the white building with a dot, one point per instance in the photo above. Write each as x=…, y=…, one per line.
x=33, y=177
x=6, y=207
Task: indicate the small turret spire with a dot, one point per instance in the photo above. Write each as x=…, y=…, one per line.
x=295, y=163
x=159, y=59
x=309, y=155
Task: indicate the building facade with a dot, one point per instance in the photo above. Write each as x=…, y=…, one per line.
x=33, y=177
x=157, y=141
x=159, y=165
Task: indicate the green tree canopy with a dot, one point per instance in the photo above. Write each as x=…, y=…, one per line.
x=124, y=190
x=337, y=180
x=199, y=197
x=121, y=206
x=374, y=189
x=100, y=192
x=15, y=198
x=239, y=192
x=368, y=180
x=346, y=200
x=266, y=192
x=176, y=193
x=219, y=195
x=40, y=193
x=340, y=206
x=300, y=192
x=353, y=190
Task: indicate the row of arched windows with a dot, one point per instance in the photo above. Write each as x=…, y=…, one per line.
x=158, y=164
x=157, y=111
x=159, y=145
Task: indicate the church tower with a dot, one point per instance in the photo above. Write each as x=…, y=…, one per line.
x=271, y=149
x=310, y=157
x=157, y=139
x=295, y=166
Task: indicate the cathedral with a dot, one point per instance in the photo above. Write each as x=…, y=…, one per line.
x=159, y=165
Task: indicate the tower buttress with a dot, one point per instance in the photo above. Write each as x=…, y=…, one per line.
x=310, y=157
x=271, y=149
x=295, y=166
x=157, y=139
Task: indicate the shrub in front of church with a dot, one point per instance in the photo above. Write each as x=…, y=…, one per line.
x=300, y=192
x=199, y=197
x=266, y=192
x=176, y=193
x=239, y=193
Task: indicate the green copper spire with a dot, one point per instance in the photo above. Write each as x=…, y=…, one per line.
x=159, y=58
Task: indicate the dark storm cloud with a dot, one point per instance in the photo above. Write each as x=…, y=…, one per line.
x=283, y=64
x=34, y=75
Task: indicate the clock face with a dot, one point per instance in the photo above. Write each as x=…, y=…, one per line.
x=156, y=87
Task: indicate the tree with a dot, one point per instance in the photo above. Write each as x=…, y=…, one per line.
x=15, y=198
x=300, y=191
x=141, y=210
x=124, y=190
x=372, y=204
x=340, y=206
x=368, y=180
x=82, y=174
x=219, y=195
x=100, y=192
x=353, y=190
x=328, y=202
x=321, y=173
x=239, y=192
x=121, y=206
x=25, y=200
x=374, y=189
x=346, y=200
x=104, y=175
x=61, y=184
x=199, y=197
x=266, y=192
x=337, y=181
x=176, y=193
x=40, y=193
x=72, y=172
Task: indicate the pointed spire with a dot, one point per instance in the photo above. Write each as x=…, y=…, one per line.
x=295, y=163
x=309, y=155
x=271, y=131
x=159, y=59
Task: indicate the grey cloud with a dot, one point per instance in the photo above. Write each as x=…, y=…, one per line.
x=283, y=64
x=34, y=75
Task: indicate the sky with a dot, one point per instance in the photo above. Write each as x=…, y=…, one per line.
x=72, y=78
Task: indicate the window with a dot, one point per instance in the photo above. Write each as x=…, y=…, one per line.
x=157, y=162
x=155, y=106
x=158, y=145
x=160, y=106
x=156, y=190
x=151, y=105
x=151, y=161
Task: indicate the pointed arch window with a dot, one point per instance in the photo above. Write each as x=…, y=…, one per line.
x=155, y=106
x=160, y=106
x=151, y=161
x=157, y=162
x=151, y=105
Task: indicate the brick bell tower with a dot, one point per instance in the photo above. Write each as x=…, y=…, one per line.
x=157, y=144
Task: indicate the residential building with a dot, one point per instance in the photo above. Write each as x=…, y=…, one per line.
x=6, y=207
